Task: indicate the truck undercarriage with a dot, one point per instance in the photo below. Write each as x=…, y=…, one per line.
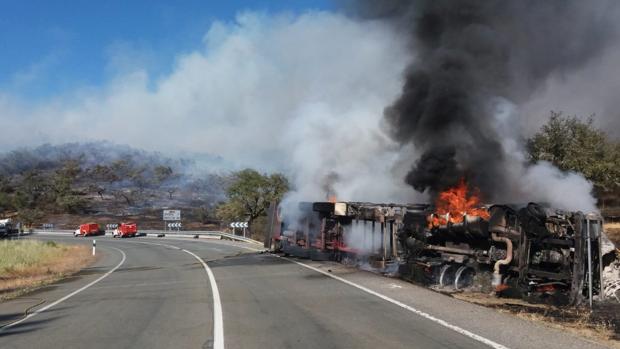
x=527, y=251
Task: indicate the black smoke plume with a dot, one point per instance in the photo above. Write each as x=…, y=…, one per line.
x=467, y=56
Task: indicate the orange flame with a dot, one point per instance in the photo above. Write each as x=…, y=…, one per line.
x=332, y=199
x=454, y=203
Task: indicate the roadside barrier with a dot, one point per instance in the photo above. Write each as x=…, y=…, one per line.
x=180, y=234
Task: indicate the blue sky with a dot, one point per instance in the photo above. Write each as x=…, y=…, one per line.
x=49, y=47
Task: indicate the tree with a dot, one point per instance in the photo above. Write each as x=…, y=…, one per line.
x=61, y=193
x=162, y=173
x=250, y=194
x=30, y=216
x=71, y=203
x=31, y=190
x=573, y=144
x=104, y=173
x=129, y=196
x=63, y=180
x=6, y=201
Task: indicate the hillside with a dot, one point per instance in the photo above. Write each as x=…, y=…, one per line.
x=66, y=184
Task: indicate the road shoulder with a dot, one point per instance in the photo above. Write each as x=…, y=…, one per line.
x=17, y=308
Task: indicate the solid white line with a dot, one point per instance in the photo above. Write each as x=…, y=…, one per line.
x=405, y=306
x=218, y=322
x=155, y=243
x=38, y=311
x=220, y=242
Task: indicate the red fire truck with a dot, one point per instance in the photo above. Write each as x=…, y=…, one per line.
x=89, y=229
x=125, y=230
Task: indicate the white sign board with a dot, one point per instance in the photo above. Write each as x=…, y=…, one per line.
x=172, y=215
x=239, y=224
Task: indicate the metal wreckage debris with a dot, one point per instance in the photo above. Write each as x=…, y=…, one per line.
x=527, y=251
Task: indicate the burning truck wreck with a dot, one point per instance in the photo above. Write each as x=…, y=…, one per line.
x=526, y=251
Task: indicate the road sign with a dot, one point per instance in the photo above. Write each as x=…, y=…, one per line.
x=239, y=224
x=48, y=226
x=111, y=226
x=172, y=215
x=175, y=225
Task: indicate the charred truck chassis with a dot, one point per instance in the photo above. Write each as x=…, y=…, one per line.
x=530, y=252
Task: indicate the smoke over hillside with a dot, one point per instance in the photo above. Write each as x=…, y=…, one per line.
x=307, y=95
x=103, y=178
x=474, y=63
x=88, y=154
x=300, y=94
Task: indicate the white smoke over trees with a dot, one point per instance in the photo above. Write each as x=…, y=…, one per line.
x=468, y=56
x=301, y=94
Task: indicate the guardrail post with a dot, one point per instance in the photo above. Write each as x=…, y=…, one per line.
x=94, y=246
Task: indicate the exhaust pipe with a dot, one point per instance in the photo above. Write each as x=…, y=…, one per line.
x=497, y=276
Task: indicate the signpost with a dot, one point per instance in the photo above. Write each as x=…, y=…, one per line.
x=171, y=215
x=235, y=225
x=176, y=225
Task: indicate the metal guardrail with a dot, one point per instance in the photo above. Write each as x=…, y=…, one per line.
x=185, y=234
x=240, y=238
x=15, y=236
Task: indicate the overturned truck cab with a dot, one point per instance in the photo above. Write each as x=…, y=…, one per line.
x=532, y=252
x=528, y=251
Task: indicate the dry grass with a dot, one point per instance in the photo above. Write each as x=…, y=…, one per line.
x=613, y=231
x=601, y=324
x=27, y=264
x=597, y=325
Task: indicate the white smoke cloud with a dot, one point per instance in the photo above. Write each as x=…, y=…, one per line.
x=301, y=94
x=540, y=182
x=583, y=92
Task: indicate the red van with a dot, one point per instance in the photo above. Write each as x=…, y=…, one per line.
x=125, y=230
x=89, y=229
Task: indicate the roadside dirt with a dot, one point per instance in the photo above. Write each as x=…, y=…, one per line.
x=613, y=232
x=601, y=324
x=25, y=277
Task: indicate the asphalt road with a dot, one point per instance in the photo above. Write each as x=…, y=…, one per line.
x=161, y=296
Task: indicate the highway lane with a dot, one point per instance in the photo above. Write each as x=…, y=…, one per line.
x=161, y=298
x=271, y=302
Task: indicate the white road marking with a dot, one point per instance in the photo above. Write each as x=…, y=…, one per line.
x=405, y=306
x=218, y=318
x=155, y=243
x=215, y=241
x=38, y=311
x=218, y=321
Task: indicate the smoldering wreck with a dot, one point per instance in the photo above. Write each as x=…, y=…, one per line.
x=473, y=63
x=530, y=251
